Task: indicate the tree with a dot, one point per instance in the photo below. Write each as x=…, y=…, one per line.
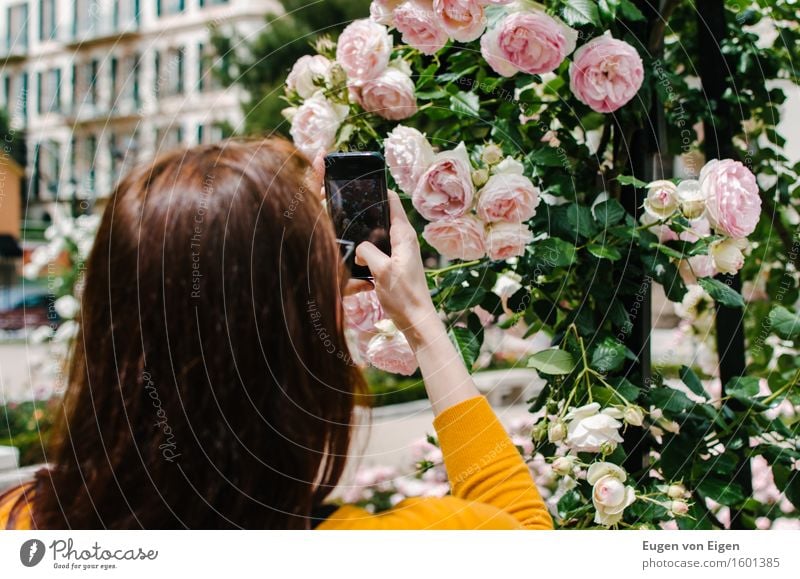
x=260, y=66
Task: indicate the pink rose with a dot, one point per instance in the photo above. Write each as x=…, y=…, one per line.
x=315, y=123
x=408, y=156
x=390, y=96
x=445, y=190
x=362, y=310
x=507, y=197
x=459, y=238
x=505, y=240
x=696, y=267
x=364, y=49
x=309, y=74
x=605, y=74
x=382, y=11
x=733, y=204
x=463, y=20
x=418, y=24
x=493, y=54
x=662, y=231
x=529, y=41
x=389, y=351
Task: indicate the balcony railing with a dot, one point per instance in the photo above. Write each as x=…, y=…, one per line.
x=104, y=28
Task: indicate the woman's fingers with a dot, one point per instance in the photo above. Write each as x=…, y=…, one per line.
x=355, y=286
x=369, y=255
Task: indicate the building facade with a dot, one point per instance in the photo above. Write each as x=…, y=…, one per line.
x=96, y=86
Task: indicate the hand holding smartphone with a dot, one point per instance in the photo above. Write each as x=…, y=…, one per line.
x=355, y=188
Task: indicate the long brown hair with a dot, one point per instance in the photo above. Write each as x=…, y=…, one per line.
x=211, y=385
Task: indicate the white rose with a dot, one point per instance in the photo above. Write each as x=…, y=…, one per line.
x=408, y=156
x=557, y=431
x=633, y=415
x=564, y=465
x=691, y=199
x=661, y=199
x=676, y=491
x=679, y=508
x=315, y=124
x=309, y=75
x=728, y=254
x=67, y=307
x=492, y=154
x=609, y=494
x=509, y=165
x=589, y=428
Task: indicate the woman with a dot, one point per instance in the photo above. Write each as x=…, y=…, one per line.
x=203, y=388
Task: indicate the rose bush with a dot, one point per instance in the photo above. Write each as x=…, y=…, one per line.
x=513, y=158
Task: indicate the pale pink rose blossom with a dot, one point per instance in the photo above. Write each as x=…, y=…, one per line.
x=507, y=197
x=390, y=351
x=382, y=11
x=505, y=240
x=697, y=266
x=364, y=49
x=418, y=24
x=390, y=96
x=463, y=20
x=309, y=75
x=494, y=56
x=728, y=254
x=459, y=238
x=408, y=155
x=662, y=231
x=606, y=73
x=733, y=204
x=445, y=190
x=315, y=123
x=661, y=201
x=697, y=228
x=362, y=310
x=529, y=41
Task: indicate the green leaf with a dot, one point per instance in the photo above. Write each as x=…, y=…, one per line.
x=788, y=481
x=668, y=251
x=745, y=389
x=671, y=400
x=465, y=104
x=579, y=219
x=630, y=11
x=464, y=298
x=725, y=492
x=785, y=323
x=722, y=293
x=608, y=355
x=552, y=361
x=577, y=12
x=466, y=343
x=554, y=252
x=549, y=157
x=604, y=251
x=630, y=180
x=609, y=212
x=692, y=381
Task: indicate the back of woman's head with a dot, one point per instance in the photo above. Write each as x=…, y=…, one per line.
x=211, y=384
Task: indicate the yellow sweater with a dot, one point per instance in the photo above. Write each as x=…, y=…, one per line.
x=491, y=485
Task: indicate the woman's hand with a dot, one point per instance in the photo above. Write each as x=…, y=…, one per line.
x=400, y=279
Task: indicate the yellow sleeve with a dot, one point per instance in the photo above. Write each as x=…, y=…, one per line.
x=484, y=466
x=8, y=501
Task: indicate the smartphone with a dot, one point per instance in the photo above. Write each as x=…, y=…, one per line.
x=355, y=187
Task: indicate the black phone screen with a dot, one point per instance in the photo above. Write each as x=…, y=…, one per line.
x=355, y=186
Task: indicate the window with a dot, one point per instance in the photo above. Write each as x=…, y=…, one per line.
x=125, y=14
x=167, y=7
x=169, y=72
x=48, y=169
x=17, y=28
x=168, y=138
x=125, y=82
x=84, y=83
x=124, y=150
x=211, y=133
x=85, y=18
x=47, y=19
x=16, y=96
x=48, y=92
x=82, y=160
